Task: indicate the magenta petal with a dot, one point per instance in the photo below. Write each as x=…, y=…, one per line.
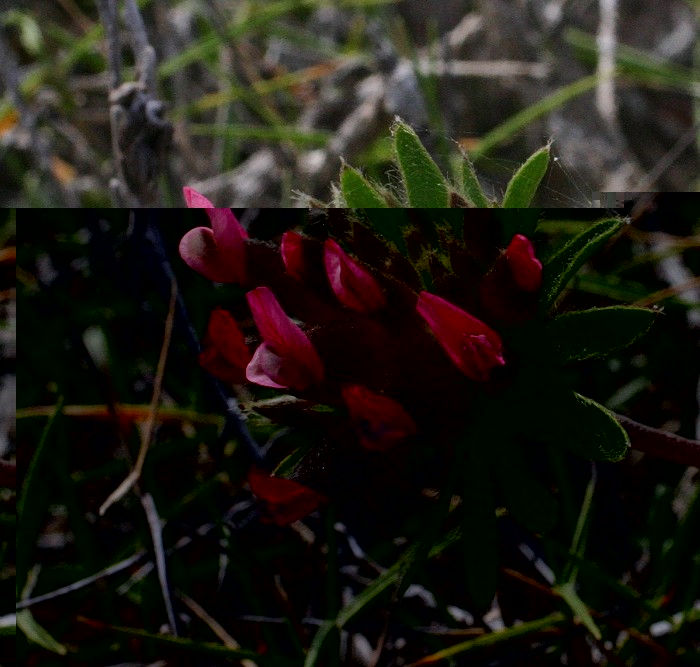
x=264, y=364
x=296, y=362
x=524, y=265
x=354, y=286
x=380, y=421
x=228, y=232
x=195, y=200
x=199, y=250
x=293, y=254
x=472, y=346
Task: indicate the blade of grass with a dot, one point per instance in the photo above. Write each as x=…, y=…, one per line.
x=264, y=14
x=495, y=638
x=29, y=508
x=522, y=119
x=134, y=475
x=567, y=588
x=204, y=648
x=276, y=133
x=381, y=584
x=126, y=411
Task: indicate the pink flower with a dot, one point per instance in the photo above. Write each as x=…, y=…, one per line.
x=525, y=268
x=286, y=358
x=225, y=353
x=293, y=254
x=217, y=253
x=353, y=285
x=472, y=346
x=285, y=500
x=380, y=421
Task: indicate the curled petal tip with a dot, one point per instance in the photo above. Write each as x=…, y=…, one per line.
x=525, y=268
x=285, y=500
x=293, y=254
x=287, y=357
x=472, y=346
x=353, y=285
x=194, y=199
x=380, y=421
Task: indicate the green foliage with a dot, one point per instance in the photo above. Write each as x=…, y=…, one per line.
x=470, y=183
x=530, y=504
x=36, y=633
x=358, y=191
x=588, y=334
x=563, y=417
x=526, y=180
x=424, y=186
x=479, y=530
x=561, y=268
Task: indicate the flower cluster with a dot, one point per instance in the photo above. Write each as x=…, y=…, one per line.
x=358, y=338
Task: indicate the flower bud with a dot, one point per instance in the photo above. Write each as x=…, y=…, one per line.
x=225, y=354
x=472, y=346
x=293, y=254
x=380, y=422
x=353, y=285
x=286, y=358
x=217, y=253
x=285, y=500
x=525, y=268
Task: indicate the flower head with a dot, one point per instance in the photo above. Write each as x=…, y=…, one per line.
x=380, y=421
x=525, y=268
x=285, y=500
x=217, y=253
x=354, y=286
x=472, y=346
x=286, y=358
x=293, y=254
x=225, y=354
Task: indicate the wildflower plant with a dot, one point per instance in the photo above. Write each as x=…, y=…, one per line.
x=427, y=346
x=422, y=184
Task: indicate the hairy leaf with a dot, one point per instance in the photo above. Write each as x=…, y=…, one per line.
x=595, y=333
x=526, y=180
x=561, y=267
x=425, y=185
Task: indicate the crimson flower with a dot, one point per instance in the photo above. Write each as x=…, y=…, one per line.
x=525, y=268
x=225, y=354
x=217, y=253
x=353, y=285
x=286, y=358
x=293, y=254
x=472, y=346
x=285, y=500
x=380, y=422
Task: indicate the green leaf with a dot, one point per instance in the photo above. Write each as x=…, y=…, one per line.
x=37, y=633
x=433, y=524
x=594, y=333
x=526, y=180
x=578, y=606
x=496, y=638
x=566, y=418
x=471, y=185
x=380, y=585
x=358, y=191
x=314, y=652
x=425, y=185
x=184, y=646
x=530, y=504
x=479, y=530
x=563, y=265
